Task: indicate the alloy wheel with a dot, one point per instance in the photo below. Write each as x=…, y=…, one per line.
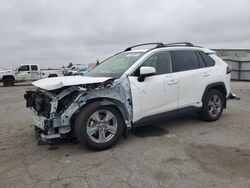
x=101, y=126
x=214, y=105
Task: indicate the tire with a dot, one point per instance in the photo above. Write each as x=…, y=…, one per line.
x=100, y=135
x=8, y=82
x=212, y=105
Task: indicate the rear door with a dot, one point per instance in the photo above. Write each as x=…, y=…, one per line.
x=210, y=73
x=34, y=72
x=190, y=77
x=158, y=93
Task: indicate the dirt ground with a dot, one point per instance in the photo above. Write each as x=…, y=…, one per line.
x=183, y=152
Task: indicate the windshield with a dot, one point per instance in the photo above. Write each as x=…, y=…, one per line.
x=116, y=65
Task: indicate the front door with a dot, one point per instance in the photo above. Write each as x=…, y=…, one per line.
x=23, y=73
x=158, y=93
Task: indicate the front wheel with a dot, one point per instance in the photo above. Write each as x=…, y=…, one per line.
x=98, y=127
x=212, y=105
x=8, y=82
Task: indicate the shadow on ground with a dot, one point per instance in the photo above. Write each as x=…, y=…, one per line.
x=149, y=131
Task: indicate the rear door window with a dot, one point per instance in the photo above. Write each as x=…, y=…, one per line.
x=34, y=67
x=184, y=60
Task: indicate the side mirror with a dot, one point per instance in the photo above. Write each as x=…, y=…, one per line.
x=146, y=72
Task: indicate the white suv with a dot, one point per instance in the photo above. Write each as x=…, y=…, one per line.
x=129, y=89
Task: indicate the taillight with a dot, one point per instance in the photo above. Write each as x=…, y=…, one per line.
x=229, y=69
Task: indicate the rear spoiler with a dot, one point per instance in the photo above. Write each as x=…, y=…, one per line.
x=208, y=51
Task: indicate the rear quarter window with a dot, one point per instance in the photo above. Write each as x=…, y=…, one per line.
x=201, y=61
x=207, y=59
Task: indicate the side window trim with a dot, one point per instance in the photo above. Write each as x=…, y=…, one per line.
x=199, y=55
x=173, y=61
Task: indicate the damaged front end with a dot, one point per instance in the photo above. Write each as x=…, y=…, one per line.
x=54, y=111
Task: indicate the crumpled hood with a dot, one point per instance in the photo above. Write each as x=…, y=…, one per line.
x=59, y=82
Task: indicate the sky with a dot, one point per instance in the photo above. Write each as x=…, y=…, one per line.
x=53, y=33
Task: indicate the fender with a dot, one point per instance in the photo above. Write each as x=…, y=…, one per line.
x=109, y=101
x=8, y=76
x=120, y=106
x=219, y=86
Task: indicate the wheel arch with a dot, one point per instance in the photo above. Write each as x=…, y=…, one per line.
x=105, y=101
x=220, y=86
x=8, y=76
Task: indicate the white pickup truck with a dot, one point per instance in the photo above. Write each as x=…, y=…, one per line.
x=27, y=72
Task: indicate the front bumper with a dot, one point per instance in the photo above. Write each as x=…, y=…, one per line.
x=233, y=96
x=51, y=122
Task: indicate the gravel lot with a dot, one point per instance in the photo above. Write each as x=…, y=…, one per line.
x=183, y=152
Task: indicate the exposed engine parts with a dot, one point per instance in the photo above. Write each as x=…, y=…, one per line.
x=55, y=110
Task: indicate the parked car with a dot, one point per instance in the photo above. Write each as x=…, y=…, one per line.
x=132, y=88
x=77, y=70
x=27, y=72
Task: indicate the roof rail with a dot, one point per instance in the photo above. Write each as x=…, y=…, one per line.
x=158, y=45
x=179, y=44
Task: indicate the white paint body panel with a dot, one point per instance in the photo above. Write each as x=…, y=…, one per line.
x=59, y=82
x=5, y=71
x=156, y=94
x=163, y=93
x=147, y=70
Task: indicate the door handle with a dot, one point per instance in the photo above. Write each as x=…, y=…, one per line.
x=205, y=74
x=172, y=82
x=29, y=72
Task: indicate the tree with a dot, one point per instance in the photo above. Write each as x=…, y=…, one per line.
x=97, y=62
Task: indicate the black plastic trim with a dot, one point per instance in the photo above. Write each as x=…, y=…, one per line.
x=179, y=44
x=158, y=45
x=161, y=45
x=214, y=85
x=166, y=115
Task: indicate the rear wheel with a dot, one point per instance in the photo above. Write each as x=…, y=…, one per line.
x=7, y=82
x=98, y=127
x=212, y=105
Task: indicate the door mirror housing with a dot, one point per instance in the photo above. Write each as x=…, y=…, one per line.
x=146, y=72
